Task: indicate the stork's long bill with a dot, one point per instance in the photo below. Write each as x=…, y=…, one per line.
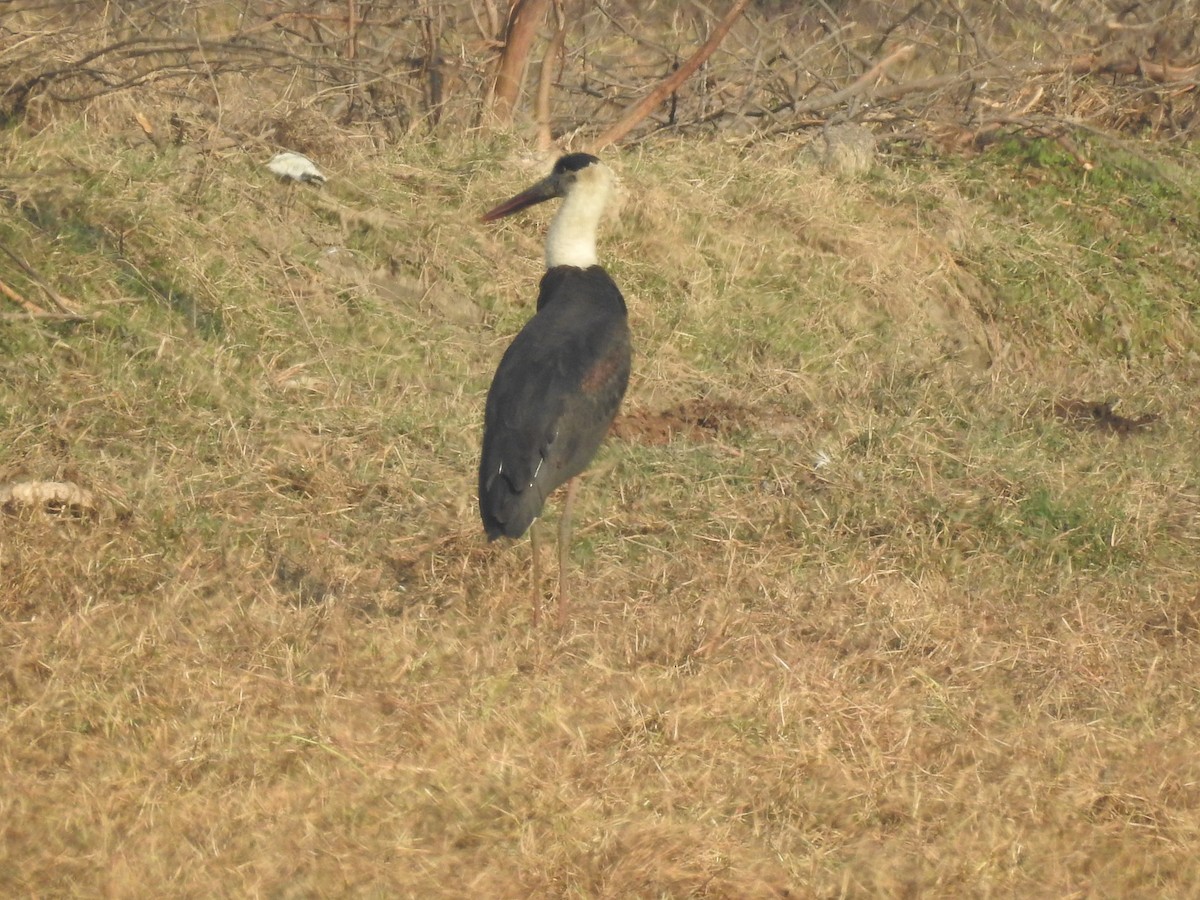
x=544, y=190
x=585, y=184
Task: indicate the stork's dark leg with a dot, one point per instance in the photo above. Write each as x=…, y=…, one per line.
x=564, y=549
x=536, y=550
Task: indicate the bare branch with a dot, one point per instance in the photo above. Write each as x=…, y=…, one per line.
x=524, y=20
x=550, y=62
x=864, y=84
x=635, y=114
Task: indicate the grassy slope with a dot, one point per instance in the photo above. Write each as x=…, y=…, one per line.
x=881, y=623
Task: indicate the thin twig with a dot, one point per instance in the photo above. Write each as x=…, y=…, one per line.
x=37, y=279
x=45, y=316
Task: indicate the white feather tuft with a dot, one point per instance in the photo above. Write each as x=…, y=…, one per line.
x=295, y=166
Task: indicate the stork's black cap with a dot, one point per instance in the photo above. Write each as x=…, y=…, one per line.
x=573, y=162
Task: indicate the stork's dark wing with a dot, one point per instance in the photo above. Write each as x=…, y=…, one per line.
x=553, y=397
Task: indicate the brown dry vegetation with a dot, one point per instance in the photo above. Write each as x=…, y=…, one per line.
x=877, y=596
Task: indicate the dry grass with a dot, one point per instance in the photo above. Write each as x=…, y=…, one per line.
x=882, y=624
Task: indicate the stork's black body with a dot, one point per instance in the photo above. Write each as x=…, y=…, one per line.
x=561, y=381
x=554, y=396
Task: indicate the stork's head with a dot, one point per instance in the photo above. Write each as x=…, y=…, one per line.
x=585, y=184
x=574, y=174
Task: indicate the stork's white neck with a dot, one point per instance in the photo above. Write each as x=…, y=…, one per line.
x=572, y=237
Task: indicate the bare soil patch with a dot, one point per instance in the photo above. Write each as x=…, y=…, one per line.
x=1099, y=416
x=692, y=420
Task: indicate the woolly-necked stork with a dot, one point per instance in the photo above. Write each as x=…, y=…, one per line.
x=561, y=381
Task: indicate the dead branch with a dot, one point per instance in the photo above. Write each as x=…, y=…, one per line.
x=1161, y=73
x=1040, y=126
x=863, y=84
x=550, y=62
x=28, y=305
x=923, y=85
x=55, y=297
x=41, y=315
x=635, y=114
x=524, y=20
